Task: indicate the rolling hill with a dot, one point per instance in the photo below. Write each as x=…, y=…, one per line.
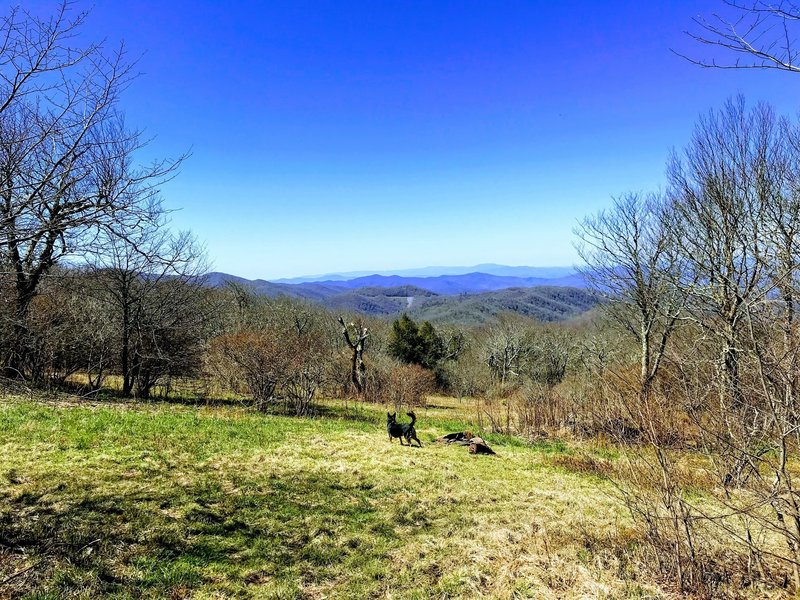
x=378, y=301
x=467, y=283
x=470, y=298
x=453, y=284
x=545, y=303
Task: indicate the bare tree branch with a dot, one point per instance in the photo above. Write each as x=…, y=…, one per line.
x=756, y=35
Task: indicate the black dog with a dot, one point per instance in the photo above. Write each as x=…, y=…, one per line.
x=402, y=430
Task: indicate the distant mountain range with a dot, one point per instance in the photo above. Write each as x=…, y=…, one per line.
x=471, y=297
x=486, y=268
x=445, y=284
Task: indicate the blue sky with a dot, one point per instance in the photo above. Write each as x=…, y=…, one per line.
x=337, y=136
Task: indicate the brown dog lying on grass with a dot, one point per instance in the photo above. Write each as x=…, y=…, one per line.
x=476, y=444
x=402, y=430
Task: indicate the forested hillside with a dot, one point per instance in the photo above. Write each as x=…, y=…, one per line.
x=545, y=303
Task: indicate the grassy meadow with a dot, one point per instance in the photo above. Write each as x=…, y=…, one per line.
x=166, y=500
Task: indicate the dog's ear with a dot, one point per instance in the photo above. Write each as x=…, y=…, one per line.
x=388, y=415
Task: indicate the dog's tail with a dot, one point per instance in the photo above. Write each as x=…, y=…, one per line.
x=413, y=417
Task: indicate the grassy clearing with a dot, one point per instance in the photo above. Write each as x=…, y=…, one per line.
x=164, y=500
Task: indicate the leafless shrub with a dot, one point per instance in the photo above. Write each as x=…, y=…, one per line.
x=252, y=363
x=282, y=355
x=408, y=386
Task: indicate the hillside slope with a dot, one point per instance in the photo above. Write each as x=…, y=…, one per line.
x=546, y=303
x=542, y=303
x=377, y=301
x=312, y=291
x=468, y=283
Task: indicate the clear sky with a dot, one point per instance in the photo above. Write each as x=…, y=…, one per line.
x=335, y=136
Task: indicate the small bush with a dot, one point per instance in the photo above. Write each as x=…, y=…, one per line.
x=408, y=385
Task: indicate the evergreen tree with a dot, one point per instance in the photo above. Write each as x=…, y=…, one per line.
x=430, y=345
x=404, y=340
x=416, y=344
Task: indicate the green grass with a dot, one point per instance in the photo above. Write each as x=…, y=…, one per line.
x=170, y=501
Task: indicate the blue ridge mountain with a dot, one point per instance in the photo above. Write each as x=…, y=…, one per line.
x=487, y=268
x=469, y=298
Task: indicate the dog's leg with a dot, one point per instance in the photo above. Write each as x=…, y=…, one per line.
x=416, y=439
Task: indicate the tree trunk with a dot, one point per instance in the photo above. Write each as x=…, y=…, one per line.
x=16, y=361
x=789, y=344
x=125, y=352
x=645, y=374
x=732, y=387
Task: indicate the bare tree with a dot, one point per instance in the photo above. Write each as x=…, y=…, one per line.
x=766, y=445
x=630, y=257
x=356, y=342
x=735, y=194
x=723, y=183
x=152, y=281
x=308, y=371
x=781, y=253
x=74, y=331
x=507, y=348
x=757, y=34
x=409, y=384
x=553, y=350
x=67, y=159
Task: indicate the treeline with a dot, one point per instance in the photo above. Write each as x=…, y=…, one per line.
x=145, y=332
